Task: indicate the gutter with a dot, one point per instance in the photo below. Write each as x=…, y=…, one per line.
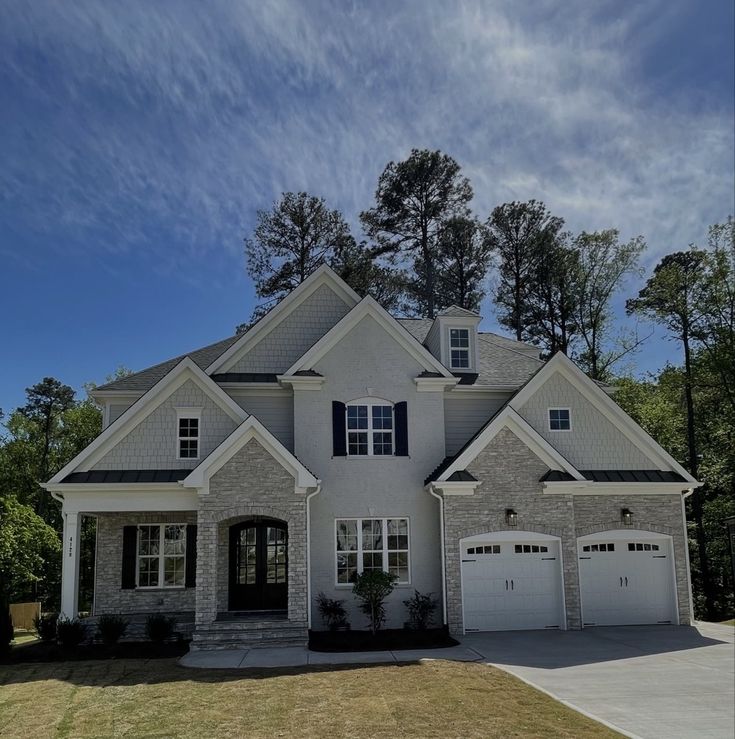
x=308, y=552
x=430, y=489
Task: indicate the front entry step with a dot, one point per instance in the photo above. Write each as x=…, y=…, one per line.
x=247, y=634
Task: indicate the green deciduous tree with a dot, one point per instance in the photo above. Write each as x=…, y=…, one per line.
x=413, y=201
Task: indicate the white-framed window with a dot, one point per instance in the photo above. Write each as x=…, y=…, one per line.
x=161, y=555
x=370, y=428
x=188, y=431
x=364, y=544
x=459, y=348
x=560, y=419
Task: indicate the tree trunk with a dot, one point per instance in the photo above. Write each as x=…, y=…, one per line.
x=697, y=498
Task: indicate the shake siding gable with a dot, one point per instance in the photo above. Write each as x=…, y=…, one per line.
x=464, y=417
x=594, y=442
x=152, y=444
x=282, y=346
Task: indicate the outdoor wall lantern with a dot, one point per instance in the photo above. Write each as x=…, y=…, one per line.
x=626, y=516
x=511, y=517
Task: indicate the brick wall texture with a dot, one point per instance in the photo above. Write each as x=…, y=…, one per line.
x=509, y=473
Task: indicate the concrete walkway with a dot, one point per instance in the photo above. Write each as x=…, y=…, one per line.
x=646, y=681
x=300, y=656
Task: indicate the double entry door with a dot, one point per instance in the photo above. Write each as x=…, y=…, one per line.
x=258, y=566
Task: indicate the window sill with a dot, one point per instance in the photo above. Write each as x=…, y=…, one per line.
x=158, y=588
x=370, y=457
x=397, y=586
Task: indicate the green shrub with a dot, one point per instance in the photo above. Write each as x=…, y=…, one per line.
x=159, y=628
x=371, y=588
x=46, y=626
x=70, y=632
x=421, y=609
x=111, y=628
x=332, y=611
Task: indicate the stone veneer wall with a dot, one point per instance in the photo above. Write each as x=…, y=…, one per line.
x=509, y=473
x=109, y=597
x=251, y=484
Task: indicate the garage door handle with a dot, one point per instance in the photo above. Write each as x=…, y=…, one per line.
x=512, y=585
x=626, y=582
x=506, y=584
x=621, y=582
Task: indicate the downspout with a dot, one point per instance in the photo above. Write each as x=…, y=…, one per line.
x=686, y=494
x=430, y=488
x=308, y=552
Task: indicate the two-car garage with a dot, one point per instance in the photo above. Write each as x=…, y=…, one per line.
x=513, y=580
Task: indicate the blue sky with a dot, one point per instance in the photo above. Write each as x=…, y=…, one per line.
x=139, y=139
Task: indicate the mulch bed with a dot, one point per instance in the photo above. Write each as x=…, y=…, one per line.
x=385, y=639
x=44, y=652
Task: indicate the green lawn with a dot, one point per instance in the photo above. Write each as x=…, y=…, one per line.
x=24, y=637
x=147, y=698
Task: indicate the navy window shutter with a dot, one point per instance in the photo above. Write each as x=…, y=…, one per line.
x=129, y=556
x=339, y=429
x=400, y=411
x=191, y=556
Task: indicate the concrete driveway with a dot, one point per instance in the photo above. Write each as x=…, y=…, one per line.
x=646, y=681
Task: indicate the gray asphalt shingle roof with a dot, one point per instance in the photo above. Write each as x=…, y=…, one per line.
x=502, y=361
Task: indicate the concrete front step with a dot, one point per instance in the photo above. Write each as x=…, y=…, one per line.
x=246, y=634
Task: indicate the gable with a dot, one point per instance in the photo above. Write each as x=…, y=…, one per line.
x=152, y=444
x=280, y=348
x=594, y=442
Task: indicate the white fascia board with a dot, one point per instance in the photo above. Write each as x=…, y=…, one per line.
x=368, y=306
x=449, y=488
x=185, y=370
x=322, y=276
x=249, y=429
x=508, y=418
x=116, y=501
x=618, y=488
x=110, y=395
x=302, y=382
x=434, y=384
x=484, y=389
x=608, y=407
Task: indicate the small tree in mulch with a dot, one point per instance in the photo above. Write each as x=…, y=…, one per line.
x=371, y=588
x=332, y=611
x=421, y=607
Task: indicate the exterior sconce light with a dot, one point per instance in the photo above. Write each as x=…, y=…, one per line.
x=626, y=516
x=511, y=517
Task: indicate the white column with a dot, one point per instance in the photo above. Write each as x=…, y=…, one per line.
x=70, y=567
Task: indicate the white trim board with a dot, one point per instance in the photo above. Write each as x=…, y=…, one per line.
x=370, y=307
x=184, y=371
x=322, y=276
x=250, y=428
x=561, y=364
x=510, y=419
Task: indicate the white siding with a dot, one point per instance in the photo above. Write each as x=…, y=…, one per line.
x=594, y=442
x=464, y=417
x=152, y=443
x=116, y=410
x=279, y=349
x=369, y=362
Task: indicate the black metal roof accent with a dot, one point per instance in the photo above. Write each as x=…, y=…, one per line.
x=426, y=373
x=616, y=476
x=245, y=377
x=126, y=476
x=308, y=373
x=466, y=378
x=461, y=476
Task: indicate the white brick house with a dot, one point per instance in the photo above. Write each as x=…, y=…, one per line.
x=234, y=484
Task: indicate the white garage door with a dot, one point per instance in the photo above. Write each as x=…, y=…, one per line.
x=511, y=584
x=626, y=577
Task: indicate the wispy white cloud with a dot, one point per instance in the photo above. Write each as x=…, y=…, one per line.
x=159, y=128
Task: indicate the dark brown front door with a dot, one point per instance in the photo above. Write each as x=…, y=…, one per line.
x=258, y=566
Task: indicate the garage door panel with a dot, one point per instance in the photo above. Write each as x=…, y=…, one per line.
x=632, y=584
x=512, y=589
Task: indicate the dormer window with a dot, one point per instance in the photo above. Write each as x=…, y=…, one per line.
x=188, y=423
x=459, y=348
